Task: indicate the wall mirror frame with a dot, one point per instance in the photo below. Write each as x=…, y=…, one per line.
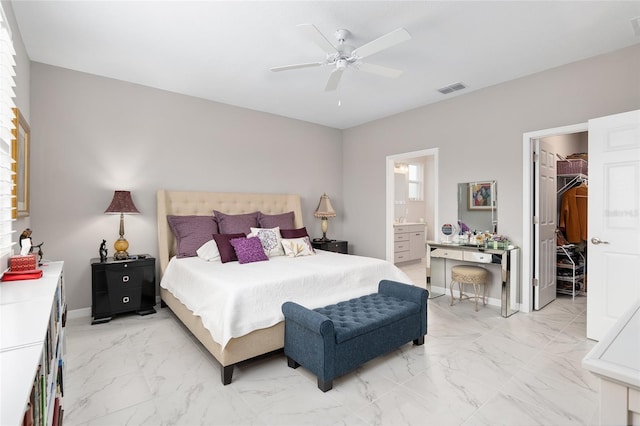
x=478, y=205
x=20, y=155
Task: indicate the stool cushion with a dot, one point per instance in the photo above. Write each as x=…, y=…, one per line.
x=363, y=314
x=469, y=274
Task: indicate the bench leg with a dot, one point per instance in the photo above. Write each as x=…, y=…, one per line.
x=419, y=341
x=325, y=386
x=291, y=363
x=226, y=372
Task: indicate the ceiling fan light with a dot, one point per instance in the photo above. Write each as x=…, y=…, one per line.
x=341, y=64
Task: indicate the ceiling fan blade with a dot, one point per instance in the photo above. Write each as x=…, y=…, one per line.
x=316, y=36
x=379, y=70
x=297, y=66
x=381, y=43
x=334, y=80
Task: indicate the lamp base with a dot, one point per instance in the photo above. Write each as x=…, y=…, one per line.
x=121, y=255
x=324, y=239
x=121, y=245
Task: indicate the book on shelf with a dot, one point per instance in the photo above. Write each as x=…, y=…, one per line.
x=56, y=413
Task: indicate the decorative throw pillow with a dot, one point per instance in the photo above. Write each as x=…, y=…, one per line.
x=295, y=247
x=235, y=223
x=294, y=233
x=191, y=233
x=248, y=249
x=227, y=253
x=209, y=252
x=283, y=220
x=270, y=239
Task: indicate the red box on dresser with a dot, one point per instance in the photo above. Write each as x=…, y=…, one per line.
x=22, y=263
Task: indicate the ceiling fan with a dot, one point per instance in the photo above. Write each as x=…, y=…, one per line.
x=344, y=56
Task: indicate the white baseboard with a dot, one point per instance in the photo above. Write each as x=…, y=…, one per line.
x=79, y=313
x=86, y=312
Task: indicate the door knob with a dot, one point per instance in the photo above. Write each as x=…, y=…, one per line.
x=596, y=241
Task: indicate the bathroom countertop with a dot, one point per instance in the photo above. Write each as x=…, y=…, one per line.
x=409, y=223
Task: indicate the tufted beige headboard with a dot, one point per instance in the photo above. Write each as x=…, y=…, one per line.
x=203, y=203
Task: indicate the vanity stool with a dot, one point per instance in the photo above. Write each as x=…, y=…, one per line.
x=474, y=275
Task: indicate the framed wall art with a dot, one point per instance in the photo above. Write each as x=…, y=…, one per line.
x=20, y=154
x=481, y=195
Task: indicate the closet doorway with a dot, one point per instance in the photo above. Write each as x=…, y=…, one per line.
x=614, y=221
x=555, y=266
x=562, y=177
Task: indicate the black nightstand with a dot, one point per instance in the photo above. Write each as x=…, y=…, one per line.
x=336, y=246
x=119, y=286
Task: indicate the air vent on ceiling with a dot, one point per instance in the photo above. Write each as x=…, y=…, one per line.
x=452, y=88
x=635, y=23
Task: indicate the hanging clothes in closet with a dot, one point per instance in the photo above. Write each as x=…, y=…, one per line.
x=573, y=213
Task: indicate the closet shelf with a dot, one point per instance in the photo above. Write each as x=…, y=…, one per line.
x=570, y=279
x=570, y=267
x=569, y=181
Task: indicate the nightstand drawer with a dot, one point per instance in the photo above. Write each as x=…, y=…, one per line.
x=125, y=299
x=334, y=246
x=125, y=277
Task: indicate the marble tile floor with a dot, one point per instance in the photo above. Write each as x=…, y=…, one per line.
x=476, y=368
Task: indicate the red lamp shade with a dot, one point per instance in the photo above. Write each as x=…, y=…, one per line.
x=121, y=203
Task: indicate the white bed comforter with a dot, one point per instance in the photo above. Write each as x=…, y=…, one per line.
x=235, y=299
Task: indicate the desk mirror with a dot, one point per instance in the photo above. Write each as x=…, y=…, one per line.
x=478, y=205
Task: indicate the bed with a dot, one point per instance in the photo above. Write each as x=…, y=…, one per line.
x=236, y=341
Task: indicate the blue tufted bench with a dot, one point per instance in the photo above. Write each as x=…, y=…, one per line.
x=336, y=339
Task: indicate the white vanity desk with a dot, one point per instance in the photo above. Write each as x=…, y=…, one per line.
x=508, y=259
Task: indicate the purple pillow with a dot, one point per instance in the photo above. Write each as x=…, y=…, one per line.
x=227, y=253
x=191, y=233
x=283, y=220
x=294, y=233
x=249, y=249
x=235, y=223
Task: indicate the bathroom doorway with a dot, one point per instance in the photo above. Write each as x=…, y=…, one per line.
x=428, y=158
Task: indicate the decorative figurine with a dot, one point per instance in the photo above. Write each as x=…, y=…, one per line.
x=103, y=251
x=26, y=234
x=40, y=254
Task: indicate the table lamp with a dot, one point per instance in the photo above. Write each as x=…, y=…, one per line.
x=324, y=211
x=121, y=203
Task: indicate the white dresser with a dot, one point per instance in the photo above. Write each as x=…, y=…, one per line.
x=32, y=348
x=408, y=241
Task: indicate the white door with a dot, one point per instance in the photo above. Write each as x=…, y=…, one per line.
x=613, y=252
x=545, y=227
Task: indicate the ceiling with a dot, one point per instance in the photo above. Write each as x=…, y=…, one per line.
x=223, y=50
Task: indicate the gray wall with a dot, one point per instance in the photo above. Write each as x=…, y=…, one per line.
x=92, y=135
x=480, y=138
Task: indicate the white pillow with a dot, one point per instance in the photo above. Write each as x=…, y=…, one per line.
x=270, y=239
x=209, y=251
x=295, y=247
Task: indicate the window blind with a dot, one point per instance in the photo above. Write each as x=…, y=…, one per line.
x=7, y=126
